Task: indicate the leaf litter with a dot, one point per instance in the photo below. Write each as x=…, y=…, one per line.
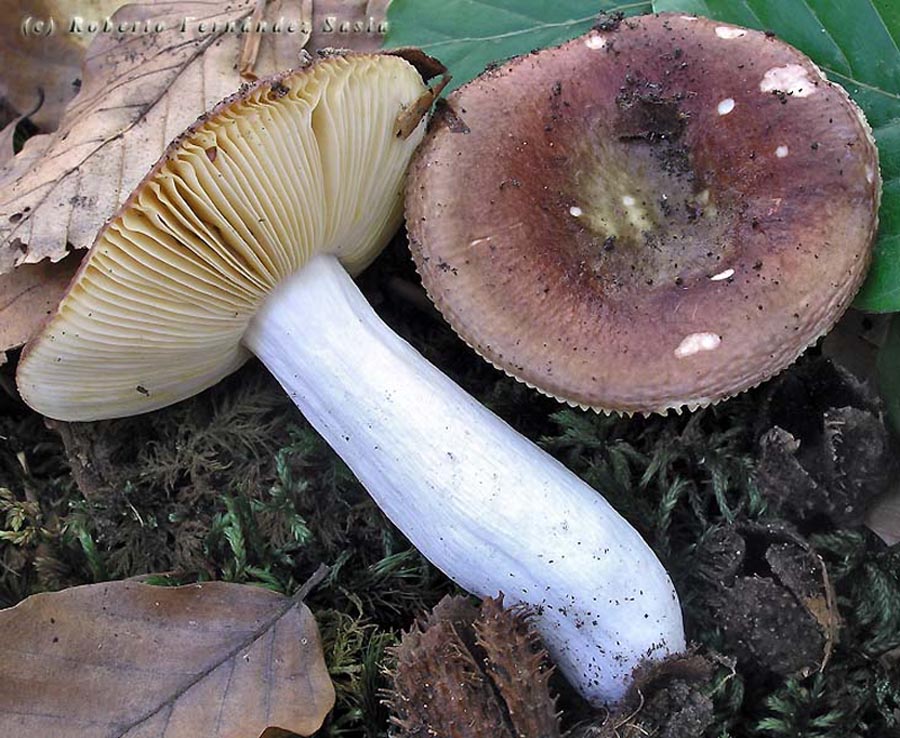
x=125, y=659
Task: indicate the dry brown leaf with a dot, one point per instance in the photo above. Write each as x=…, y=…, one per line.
x=127, y=660
x=825, y=610
x=7, y=136
x=139, y=91
x=28, y=295
x=250, y=47
x=883, y=517
x=39, y=42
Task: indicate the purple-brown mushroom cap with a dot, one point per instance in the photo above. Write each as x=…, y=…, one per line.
x=659, y=214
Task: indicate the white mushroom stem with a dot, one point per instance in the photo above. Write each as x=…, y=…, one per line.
x=485, y=505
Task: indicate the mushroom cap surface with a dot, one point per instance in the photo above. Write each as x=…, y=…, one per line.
x=306, y=162
x=659, y=214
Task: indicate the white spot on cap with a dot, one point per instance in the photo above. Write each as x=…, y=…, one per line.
x=688, y=17
x=595, y=42
x=575, y=211
x=782, y=151
x=628, y=201
x=694, y=343
x=727, y=274
x=730, y=32
x=792, y=79
x=726, y=106
x=870, y=174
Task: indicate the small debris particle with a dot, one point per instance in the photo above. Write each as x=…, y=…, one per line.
x=609, y=21
x=727, y=274
x=730, y=32
x=695, y=343
x=791, y=79
x=279, y=89
x=512, y=182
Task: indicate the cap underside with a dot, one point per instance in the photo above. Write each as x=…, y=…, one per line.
x=308, y=162
x=653, y=216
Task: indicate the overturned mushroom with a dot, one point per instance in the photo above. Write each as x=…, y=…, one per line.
x=233, y=244
x=662, y=213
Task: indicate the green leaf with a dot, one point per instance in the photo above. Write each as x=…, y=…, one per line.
x=467, y=35
x=857, y=44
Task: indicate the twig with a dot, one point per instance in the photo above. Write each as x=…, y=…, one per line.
x=250, y=46
x=317, y=576
x=833, y=624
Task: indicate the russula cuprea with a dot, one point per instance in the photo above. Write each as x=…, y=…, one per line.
x=237, y=242
x=660, y=214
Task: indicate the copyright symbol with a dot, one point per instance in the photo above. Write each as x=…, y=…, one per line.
x=32, y=26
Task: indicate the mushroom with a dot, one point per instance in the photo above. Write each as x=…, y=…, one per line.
x=237, y=242
x=660, y=214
